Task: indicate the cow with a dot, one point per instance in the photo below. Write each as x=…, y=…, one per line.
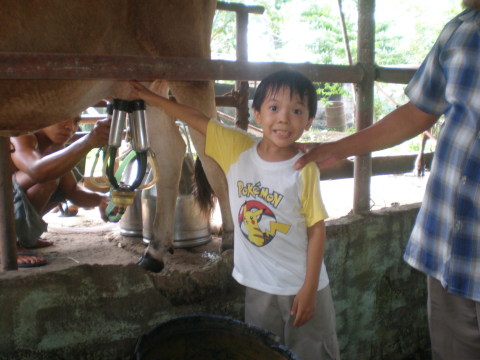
x=160, y=28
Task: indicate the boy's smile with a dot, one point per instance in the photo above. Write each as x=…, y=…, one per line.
x=283, y=118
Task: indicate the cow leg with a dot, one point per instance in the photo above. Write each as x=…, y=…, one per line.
x=169, y=148
x=201, y=96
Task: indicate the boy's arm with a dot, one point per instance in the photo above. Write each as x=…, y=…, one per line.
x=83, y=197
x=44, y=168
x=304, y=303
x=189, y=115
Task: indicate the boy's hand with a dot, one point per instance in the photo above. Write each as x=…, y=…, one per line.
x=100, y=133
x=102, y=207
x=303, y=307
x=141, y=92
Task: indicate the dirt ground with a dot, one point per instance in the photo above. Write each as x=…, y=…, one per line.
x=86, y=239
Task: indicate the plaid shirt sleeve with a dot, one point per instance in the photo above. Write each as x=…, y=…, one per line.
x=445, y=241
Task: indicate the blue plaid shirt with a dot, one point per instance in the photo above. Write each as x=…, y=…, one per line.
x=445, y=241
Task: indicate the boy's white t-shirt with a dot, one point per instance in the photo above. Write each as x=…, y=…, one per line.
x=272, y=205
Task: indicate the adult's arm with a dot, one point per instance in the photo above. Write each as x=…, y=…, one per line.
x=41, y=169
x=81, y=196
x=401, y=124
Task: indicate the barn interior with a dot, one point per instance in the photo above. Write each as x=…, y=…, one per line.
x=82, y=307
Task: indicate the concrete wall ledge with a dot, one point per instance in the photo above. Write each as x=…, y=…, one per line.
x=380, y=301
x=98, y=312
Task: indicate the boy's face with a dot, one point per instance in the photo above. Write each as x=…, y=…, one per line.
x=60, y=133
x=283, y=118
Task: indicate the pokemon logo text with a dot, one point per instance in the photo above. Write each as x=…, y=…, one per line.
x=256, y=190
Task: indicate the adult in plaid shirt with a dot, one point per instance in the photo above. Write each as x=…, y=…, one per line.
x=445, y=241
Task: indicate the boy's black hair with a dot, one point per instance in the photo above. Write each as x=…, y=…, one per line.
x=295, y=81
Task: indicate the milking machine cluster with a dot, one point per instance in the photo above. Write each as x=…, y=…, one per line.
x=126, y=115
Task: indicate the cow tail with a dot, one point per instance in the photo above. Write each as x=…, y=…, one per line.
x=202, y=191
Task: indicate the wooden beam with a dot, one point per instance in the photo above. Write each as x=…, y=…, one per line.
x=41, y=66
x=240, y=7
x=400, y=75
x=44, y=66
x=381, y=165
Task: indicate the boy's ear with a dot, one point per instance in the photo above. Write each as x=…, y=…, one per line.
x=309, y=123
x=258, y=118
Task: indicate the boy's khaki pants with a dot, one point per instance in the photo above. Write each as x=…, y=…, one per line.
x=316, y=340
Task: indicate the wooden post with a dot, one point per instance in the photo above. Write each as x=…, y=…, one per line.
x=8, y=239
x=242, y=54
x=364, y=113
x=242, y=87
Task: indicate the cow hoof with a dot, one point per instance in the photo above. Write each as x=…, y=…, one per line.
x=149, y=263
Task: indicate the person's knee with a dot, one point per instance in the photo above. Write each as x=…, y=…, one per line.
x=39, y=195
x=47, y=189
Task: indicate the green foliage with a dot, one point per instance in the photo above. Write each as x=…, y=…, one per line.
x=387, y=45
x=327, y=44
x=223, y=40
x=329, y=90
x=275, y=21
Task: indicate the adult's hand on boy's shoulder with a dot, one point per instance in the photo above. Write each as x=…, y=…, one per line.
x=321, y=153
x=305, y=147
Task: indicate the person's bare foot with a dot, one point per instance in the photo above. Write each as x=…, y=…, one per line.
x=27, y=259
x=70, y=210
x=40, y=243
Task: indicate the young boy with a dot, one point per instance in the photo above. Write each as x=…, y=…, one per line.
x=279, y=234
x=42, y=177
